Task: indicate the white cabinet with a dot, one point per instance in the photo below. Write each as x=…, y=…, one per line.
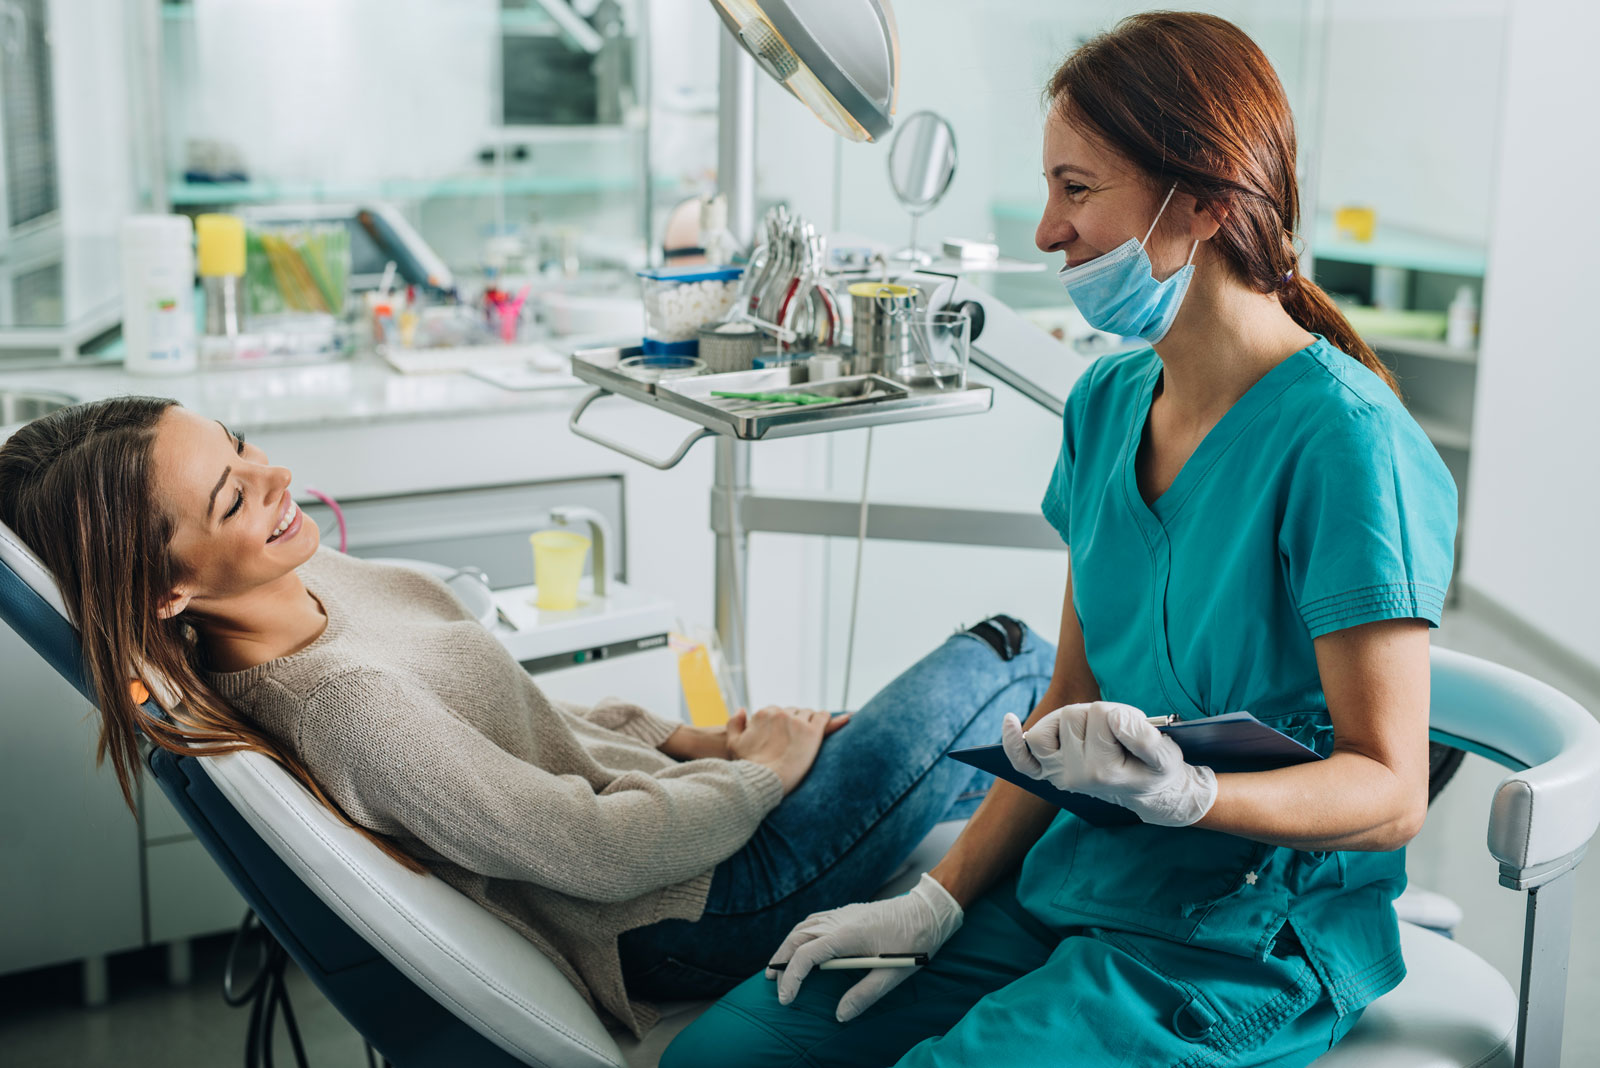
x=69, y=887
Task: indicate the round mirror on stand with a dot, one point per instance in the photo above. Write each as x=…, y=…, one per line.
x=922, y=164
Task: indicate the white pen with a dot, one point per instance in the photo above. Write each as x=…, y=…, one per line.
x=883, y=960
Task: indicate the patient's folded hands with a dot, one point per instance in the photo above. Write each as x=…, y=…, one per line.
x=1112, y=752
x=784, y=739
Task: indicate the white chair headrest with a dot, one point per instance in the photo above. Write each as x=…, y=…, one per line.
x=28, y=567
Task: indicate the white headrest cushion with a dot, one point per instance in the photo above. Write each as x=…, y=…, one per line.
x=20, y=559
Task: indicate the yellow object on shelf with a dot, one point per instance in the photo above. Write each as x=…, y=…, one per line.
x=557, y=567
x=1354, y=222
x=701, y=693
x=219, y=246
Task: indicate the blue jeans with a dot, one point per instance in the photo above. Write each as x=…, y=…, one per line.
x=877, y=788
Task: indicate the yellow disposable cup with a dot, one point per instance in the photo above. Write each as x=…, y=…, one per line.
x=557, y=566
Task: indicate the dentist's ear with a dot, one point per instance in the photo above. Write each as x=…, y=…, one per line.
x=174, y=603
x=1207, y=218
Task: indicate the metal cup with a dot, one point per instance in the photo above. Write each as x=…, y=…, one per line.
x=879, y=314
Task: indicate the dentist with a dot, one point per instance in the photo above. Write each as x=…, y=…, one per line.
x=1255, y=523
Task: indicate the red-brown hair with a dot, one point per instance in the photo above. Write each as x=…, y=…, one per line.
x=75, y=486
x=1189, y=98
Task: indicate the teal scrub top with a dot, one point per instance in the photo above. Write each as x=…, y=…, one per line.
x=1316, y=503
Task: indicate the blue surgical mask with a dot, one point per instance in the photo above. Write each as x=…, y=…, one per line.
x=1118, y=292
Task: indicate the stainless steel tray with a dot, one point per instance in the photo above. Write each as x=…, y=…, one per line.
x=865, y=400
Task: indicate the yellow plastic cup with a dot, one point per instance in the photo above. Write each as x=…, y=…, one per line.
x=557, y=567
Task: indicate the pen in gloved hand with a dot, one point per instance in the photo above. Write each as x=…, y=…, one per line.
x=882, y=960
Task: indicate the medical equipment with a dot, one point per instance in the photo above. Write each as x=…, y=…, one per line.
x=879, y=315
x=679, y=301
x=775, y=397
x=651, y=368
x=787, y=295
x=729, y=346
x=922, y=164
x=615, y=645
x=840, y=58
x=937, y=356
x=856, y=401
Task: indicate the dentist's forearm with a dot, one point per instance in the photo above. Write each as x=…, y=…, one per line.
x=1006, y=825
x=1349, y=801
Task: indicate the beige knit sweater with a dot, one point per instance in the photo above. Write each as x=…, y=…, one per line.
x=567, y=823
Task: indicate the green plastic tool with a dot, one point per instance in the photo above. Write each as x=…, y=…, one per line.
x=777, y=398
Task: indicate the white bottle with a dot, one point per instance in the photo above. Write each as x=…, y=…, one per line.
x=1461, y=320
x=158, y=332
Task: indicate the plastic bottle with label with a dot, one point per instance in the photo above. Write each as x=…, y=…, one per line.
x=158, y=331
x=1461, y=320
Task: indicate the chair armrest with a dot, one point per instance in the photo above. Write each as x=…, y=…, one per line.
x=1543, y=814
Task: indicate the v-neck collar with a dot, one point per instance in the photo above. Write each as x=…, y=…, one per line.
x=1233, y=423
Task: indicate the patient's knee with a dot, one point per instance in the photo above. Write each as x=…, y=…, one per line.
x=1005, y=635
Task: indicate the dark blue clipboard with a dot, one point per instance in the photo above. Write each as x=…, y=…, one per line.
x=1233, y=742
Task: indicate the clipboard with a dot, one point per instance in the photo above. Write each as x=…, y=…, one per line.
x=1234, y=742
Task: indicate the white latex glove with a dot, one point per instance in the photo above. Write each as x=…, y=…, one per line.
x=1112, y=752
x=916, y=922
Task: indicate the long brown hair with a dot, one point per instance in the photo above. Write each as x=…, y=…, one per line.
x=1189, y=98
x=75, y=485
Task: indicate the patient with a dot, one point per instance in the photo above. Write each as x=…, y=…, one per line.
x=646, y=858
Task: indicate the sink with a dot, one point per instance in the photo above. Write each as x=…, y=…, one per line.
x=26, y=405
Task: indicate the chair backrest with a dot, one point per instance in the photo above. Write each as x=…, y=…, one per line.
x=1541, y=819
x=276, y=842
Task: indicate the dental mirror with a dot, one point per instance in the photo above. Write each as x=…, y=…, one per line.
x=922, y=164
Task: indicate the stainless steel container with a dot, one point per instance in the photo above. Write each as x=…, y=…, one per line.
x=879, y=314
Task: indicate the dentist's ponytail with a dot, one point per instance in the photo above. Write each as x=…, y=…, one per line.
x=1190, y=99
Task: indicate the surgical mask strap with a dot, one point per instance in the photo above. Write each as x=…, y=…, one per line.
x=1157, y=219
x=1192, y=248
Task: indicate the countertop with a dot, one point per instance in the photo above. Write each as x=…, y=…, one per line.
x=358, y=390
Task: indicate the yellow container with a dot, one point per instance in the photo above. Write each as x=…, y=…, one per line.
x=557, y=567
x=1355, y=222
x=219, y=248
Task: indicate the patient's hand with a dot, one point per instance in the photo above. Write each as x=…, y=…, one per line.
x=711, y=743
x=783, y=739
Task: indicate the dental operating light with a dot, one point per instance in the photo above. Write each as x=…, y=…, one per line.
x=840, y=58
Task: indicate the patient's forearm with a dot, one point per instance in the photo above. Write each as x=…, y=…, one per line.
x=696, y=743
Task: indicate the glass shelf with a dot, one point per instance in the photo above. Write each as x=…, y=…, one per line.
x=208, y=193
x=1395, y=246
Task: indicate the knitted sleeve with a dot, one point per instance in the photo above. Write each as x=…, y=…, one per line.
x=400, y=762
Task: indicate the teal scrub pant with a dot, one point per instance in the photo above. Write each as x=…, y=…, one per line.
x=1008, y=991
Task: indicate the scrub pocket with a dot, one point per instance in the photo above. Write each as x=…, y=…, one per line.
x=1165, y=881
x=1225, y=1008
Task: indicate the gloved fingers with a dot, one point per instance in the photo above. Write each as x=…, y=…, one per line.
x=1139, y=737
x=805, y=958
x=802, y=933
x=865, y=994
x=1016, y=748
x=1074, y=722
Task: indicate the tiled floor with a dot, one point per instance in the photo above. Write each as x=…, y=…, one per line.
x=148, y=1023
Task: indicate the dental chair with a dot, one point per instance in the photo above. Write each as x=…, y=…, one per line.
x=431, y=979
